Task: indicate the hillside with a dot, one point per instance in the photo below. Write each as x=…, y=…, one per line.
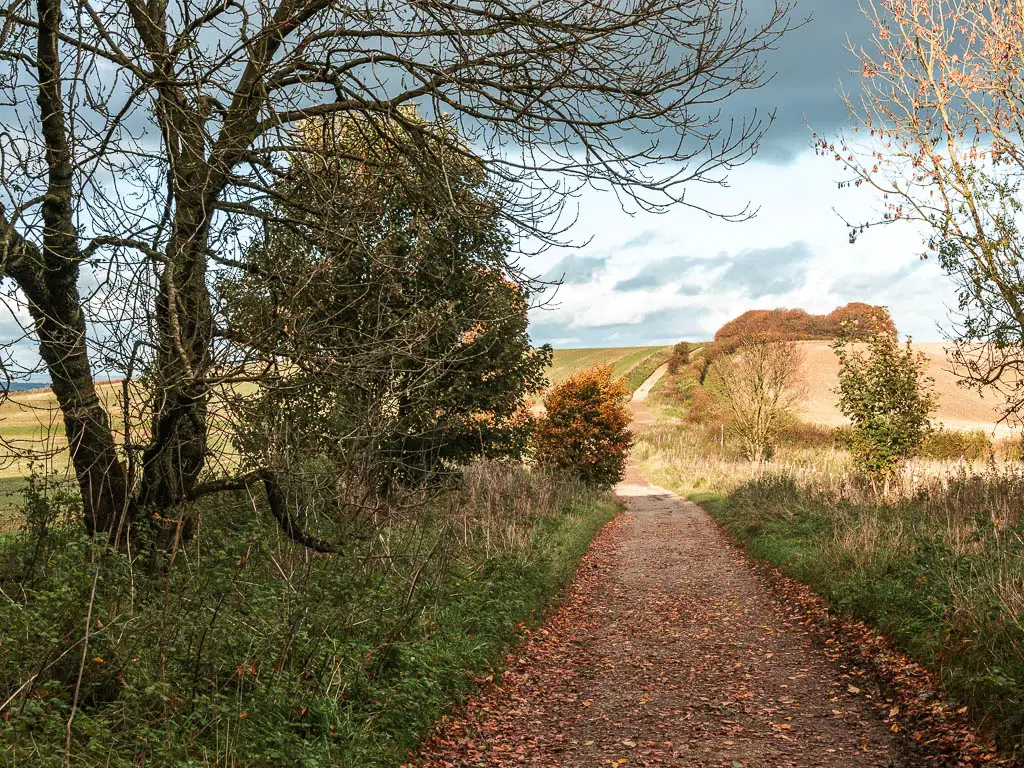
x=959, y=408
x=621, y=359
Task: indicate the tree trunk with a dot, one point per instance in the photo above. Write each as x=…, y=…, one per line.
x=177, y=451
x=101, y=475
x=49, y=278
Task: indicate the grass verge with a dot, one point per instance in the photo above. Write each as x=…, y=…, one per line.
x=935, y=561
x=250, y=651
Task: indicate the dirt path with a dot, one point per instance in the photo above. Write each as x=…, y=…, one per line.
x=668, y=651
x=644, y=389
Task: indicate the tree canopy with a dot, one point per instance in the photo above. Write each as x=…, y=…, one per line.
x=859, y=319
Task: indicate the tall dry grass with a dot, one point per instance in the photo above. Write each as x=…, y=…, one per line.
x=250, y=650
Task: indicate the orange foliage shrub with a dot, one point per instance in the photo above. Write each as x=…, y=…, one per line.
x=796, y=325
x=586, y=428
x=702, y=407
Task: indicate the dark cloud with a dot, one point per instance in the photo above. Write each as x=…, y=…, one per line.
x=809, y=62
x=759, y=272
x=767, y=271
x=691, y=289
x=576, y=270
x=656, y=274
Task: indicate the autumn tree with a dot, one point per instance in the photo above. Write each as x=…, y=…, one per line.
x=585, y=427
x=145, y=143
x=796, y=324
x=680, y=356
x=886, y=394
x=757, y=388
x=938, y=135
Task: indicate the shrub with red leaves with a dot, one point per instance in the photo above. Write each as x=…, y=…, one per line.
x=585, y=431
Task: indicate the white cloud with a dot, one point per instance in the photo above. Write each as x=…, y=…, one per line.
x=683, y=268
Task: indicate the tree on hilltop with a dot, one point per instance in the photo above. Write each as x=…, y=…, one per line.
x=798, y=325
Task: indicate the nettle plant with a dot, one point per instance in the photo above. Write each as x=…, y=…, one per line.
x=884, y=391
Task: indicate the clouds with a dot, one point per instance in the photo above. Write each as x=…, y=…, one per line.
x=664, y=326
x=656, y=273
x=810, y=62
x=665, y=299
x=576, y=270
x=757, y=272
x=761, y=272
x=878, y=283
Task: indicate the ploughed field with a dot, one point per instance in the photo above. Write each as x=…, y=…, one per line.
x=958, y=408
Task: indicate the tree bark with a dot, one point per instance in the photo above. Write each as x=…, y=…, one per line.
x=49, y=278
x=98, y=468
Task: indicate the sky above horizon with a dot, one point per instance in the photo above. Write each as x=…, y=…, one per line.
x=637, y=278
x=643, y=278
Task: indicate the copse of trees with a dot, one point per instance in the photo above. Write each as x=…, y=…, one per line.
x=680, y=357
x=798, y=325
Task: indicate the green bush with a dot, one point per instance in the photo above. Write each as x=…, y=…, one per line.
x=971, y=445
x=249, y=650
x=885, y=393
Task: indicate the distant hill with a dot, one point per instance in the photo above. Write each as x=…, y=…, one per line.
x=798, y=325
x=23, y=386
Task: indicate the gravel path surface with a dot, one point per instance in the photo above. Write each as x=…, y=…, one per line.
x=667, y=651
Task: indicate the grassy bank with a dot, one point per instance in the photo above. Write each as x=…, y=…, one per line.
x=643, y=369
x=251, y=651
x=935, y=559
x=566, y=362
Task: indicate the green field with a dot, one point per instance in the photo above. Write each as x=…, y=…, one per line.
x=621, y=359
x=30, y=420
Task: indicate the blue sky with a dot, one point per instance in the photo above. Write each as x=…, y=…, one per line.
x=647, y=278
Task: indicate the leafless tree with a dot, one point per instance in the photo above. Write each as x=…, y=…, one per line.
x=938, y=134
x=758, y=387
x=143, y=144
